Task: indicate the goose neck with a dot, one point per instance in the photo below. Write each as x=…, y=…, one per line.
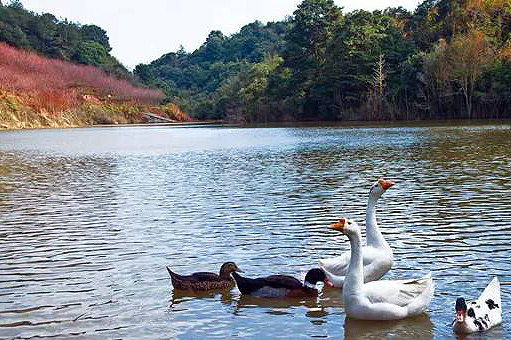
x=373, y=234
x=354, y=280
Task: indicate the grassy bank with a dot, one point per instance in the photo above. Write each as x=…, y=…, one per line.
x=37, y=92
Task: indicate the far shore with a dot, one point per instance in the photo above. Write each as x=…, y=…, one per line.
x=209, y=123
x=333, y=124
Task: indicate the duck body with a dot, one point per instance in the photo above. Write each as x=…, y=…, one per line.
x=279, y=286
x=377, y=254
x=379, y=300
x=481, y=314
x=202, y=281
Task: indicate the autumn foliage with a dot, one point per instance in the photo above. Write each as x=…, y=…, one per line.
x=53, y=86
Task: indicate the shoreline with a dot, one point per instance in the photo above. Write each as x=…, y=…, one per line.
x=177, y=124
x=325, y=124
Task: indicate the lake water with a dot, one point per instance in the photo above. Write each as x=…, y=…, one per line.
x=89, y=218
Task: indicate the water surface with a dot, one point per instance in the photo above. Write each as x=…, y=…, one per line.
x=89, y=218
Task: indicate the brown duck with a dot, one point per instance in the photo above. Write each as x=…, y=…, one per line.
x=205, y=280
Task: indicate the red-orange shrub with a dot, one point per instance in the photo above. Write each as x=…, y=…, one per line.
x=55, y=85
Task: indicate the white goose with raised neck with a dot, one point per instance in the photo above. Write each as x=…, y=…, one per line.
x=354, y=280
x=377, y=254
x=374, y=237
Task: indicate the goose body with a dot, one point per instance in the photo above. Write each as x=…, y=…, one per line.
x=379, y=300
x=377, y=254
x=202, y=281
x=279, y=286
x=481, y=314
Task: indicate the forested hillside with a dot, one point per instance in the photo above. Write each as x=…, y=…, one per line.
x=54, y=73
x=195, y=79
x=446, y=59
x=48, y=36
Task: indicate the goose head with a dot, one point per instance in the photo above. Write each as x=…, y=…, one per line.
x=379, y=187
x=346, y=226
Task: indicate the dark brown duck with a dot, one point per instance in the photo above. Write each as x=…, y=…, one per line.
x=278, y=286
x=205, y=280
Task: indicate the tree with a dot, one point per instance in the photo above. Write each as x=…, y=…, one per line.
x=181, y=51
x=212, y=50
x=14, y=36
x=254, y=92
x=469, y=54
x=144, y=72
x=97, y=34
x=377, y=87
x=91, y=53
x=304, y=54
x=313, y=25
x=16, y=4
x=356, y=45
x=436, y=78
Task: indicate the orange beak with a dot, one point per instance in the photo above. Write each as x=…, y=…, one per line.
x=385, y=184
x=339, y=225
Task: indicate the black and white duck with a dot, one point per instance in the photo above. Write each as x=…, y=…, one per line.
x=278, y=286
x=205, y=280
x=481, y=314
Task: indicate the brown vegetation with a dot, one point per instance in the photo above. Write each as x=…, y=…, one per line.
x=39, y=92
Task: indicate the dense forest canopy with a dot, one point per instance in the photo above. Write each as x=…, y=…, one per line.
x=58, y=39
x=446, y=59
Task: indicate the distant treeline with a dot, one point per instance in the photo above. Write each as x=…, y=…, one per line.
x=48, y=36
x=446, y=59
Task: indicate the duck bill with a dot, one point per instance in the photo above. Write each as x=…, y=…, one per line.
x=460, y=317
x=385, y=184
x=238, y=270
x=339, y=225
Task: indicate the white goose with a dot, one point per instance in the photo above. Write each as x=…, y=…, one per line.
x=378, y=255
x=482, y=314
x=379, y=300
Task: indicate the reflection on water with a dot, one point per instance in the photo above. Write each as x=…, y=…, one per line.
x=419, y=327
x=182, y=296
x=246, y=301
x=89, y=218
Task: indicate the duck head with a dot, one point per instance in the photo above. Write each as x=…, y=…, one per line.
x=379, y=187
x=346, y=226
x=229, y=267
x=461, y=310
x=314, y=276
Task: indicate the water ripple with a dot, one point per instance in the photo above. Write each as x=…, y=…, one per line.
x=89, y=219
